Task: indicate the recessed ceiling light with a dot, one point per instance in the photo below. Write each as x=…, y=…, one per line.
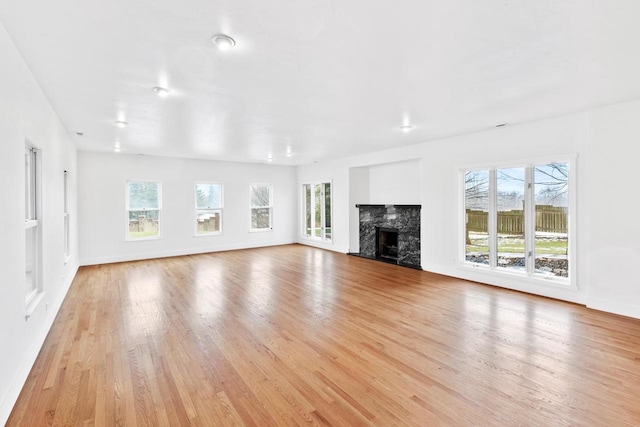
x=79, y=133
x=121, y=123
x=116, y=149
x=223, y=41
x=406, y=128
x=161, y=91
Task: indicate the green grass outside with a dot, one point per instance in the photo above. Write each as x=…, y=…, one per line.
x=516, y=245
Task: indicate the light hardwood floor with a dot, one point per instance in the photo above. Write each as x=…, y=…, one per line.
x=293, y=335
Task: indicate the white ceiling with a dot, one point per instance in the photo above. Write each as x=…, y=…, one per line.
x=326, y=78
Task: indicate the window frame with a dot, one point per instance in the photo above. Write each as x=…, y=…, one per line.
x=33, y=220
x=159, y=236
x=220, y=209
x=323, y=217
x=529, y=273
x=252, y=207
x=66, y=216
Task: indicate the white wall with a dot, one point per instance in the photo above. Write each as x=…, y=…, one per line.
x=605, y=142
x=26, y=115
x=101, y=190
x=395, y=183
x=613, y=257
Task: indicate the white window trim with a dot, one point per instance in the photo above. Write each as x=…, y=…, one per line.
x=322, y=238
x=35, y=296
x=127, y=210
x=66, y=217
x=221, y=209
x=270, y=207
x=528, y=276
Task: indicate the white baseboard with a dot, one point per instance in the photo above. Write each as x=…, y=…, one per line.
x=322, y=245
x=22, y=373
x=615, y=307
x=178, y=252
x=509, y=282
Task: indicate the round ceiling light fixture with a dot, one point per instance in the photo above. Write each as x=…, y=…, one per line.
x=406, y=128
x=121, y=123
x=161, y=91
x=223, y=41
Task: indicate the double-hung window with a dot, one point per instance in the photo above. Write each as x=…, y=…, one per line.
x=208, y=208
x=317, y=210
x=66, y=207
x=516, y=219
x=144, y=205
x=32, y=223
x=261, y=202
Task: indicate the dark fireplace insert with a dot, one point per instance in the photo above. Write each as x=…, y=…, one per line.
x=387, y=244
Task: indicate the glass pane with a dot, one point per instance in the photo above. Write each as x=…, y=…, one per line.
x=551, y=186
x=260, y=195
x=307, y=209
x=144, y=195
x=317, y=220
x=477, y=217
x=66, y=235
x=30, y=259
x=327, y=211
x=260, y=218
x=208, y=221
x=510, y=218
x=144, y=223
x=208, y=196
x=29, y=184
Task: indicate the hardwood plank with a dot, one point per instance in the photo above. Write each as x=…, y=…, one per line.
x=294, y=335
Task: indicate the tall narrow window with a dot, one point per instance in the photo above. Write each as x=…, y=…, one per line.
x=517, y=219
x=144, y=204
x=510, y=229
x=477, y=216
x=551, y=243
x=208, y=208
x=317, y=210
x=31, y=223
x=261, y=196
x=66, y=207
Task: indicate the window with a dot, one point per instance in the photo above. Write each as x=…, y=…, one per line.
x=144, y=203
x=66, y=207
x=317, y=210
x=261, y=196
x=208, y=209
x=517, y=219
x=31, y=223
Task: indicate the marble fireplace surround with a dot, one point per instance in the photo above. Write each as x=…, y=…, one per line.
x=404, y=218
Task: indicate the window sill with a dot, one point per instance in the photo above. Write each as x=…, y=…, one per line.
x=143, y=239
x=33, y=304
x=552, y=281
x=217, y=233
x=260, y=230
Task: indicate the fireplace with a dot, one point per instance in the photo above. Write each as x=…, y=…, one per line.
x=390, y=233
x=387, y=244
